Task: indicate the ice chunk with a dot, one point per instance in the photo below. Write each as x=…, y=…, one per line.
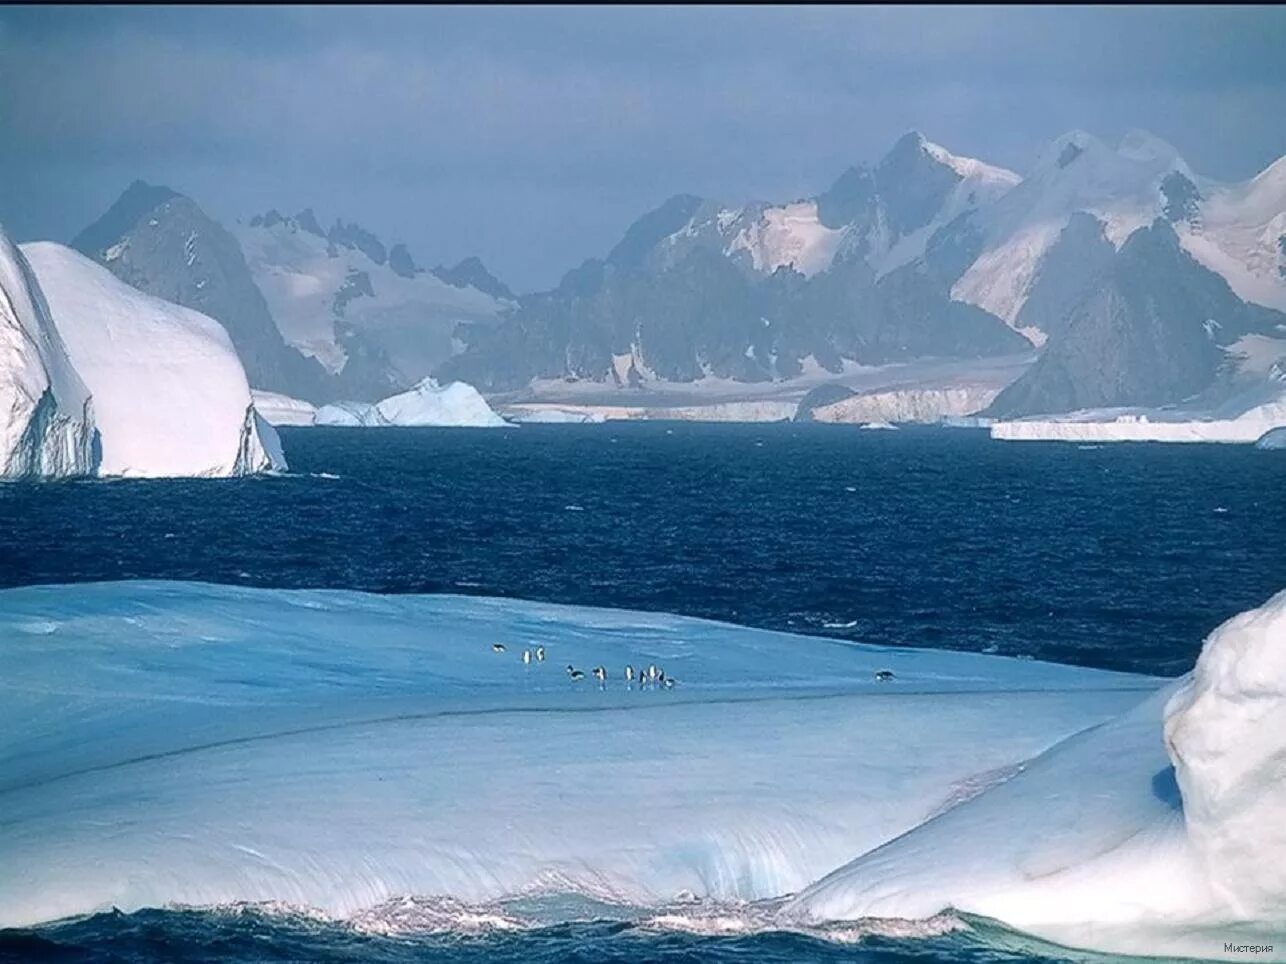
x=203, y=744
x=1104, y=841
x=455, y=405
x=170, y=397
x=430, y=404
x=1226, y=732
x=46, y=417
x=282, y=409
x=1272, y=439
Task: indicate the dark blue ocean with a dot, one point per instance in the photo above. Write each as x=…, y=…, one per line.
x=1118, y=556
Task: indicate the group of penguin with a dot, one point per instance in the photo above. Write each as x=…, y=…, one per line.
x=652, y=675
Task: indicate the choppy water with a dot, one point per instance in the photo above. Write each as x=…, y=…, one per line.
x=1119, y=556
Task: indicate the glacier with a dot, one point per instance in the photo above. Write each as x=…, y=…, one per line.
x=183, y=743
x=455, y=404
x=169, y=395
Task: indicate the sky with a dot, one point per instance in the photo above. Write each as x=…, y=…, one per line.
x=533, y=136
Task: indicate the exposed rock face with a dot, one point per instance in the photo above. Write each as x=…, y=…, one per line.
x=162, y=243
x=1148, y=329
x=694, y=289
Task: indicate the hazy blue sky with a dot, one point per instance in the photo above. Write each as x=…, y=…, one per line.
x=533, y=136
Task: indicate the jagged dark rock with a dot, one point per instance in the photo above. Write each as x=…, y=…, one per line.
x=162, y=243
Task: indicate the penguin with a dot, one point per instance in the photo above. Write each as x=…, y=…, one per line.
x=629, y=674
x=660, y=676
x=574, y=673
x=540, y=654
x=884, y=675
x=497, y=647
x=526, y=656
x=600, y=674
x=668, y=683
x=651, y=672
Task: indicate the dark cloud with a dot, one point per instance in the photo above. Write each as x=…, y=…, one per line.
x=532, y=136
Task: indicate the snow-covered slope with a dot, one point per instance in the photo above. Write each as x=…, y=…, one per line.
x=46, y=418
x=1117, y=838
x=427, y=404
x=1241, y=234
x=169, y=394
x=883, y=215
x=1076, y=173
x=336, y=293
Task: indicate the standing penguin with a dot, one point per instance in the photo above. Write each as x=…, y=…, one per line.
x=600, y=674
x=526, y=657
x=629, y=674
x=540, y=654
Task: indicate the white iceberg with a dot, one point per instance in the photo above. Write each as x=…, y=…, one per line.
x=196, y=744
x=455, y=404
x=46, y=417
x=169, y=395
x=1243, y=419
x=1107, y=842
x=278, y=409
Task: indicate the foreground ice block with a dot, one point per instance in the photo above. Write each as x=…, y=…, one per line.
x=173, y=742
x=183, y=742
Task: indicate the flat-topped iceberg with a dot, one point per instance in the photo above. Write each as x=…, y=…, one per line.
x=97, y=378
x=1233, y=423
x=197, y=744
x=455, y=404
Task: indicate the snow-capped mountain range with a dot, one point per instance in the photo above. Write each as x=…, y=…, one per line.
x=924, y=255
x=317, y=313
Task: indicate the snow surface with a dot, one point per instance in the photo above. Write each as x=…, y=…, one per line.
x=199, y=744
x=1120, y=187
x=982, y=184
x=169, y=394
x=413, y=318
x=1105, y=841
x=280, y=409
x=46, y=417
x=790, y=235
x=456, y=404
x=549, y=415
x=1239, y=236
